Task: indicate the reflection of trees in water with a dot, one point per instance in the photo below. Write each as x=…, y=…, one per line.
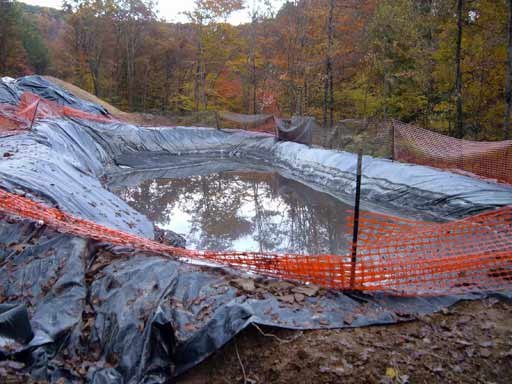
x=268, y=233
x=215, y=214
x=317, y=220
x=277, y=213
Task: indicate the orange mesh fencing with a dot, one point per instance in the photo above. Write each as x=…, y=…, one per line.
x=413, y=257
x=492, y=160
x=396, y=255
x=16, y=119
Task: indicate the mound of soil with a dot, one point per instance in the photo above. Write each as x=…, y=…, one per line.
x=145, y=119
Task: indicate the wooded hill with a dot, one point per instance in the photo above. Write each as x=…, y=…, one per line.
x=440, y=63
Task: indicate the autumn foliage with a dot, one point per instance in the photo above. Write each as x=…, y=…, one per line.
x=333, y=59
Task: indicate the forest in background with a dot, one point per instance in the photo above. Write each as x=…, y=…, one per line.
x=443, y=64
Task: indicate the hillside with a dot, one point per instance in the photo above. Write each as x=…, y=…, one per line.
x=133, y=118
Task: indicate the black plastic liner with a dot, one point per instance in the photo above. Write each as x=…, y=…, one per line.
x=93, y=306
x=115, y=315
x=14, y=323
x=43, y=88
x=299, y=129
x=8, y=94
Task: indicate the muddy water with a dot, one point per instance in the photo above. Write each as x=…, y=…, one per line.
x=244, y=211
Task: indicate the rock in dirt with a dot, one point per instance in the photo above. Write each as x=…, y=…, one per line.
x=290, y=299
x=170, y=238
x=244, y=284
x=299, y=297
x=307, y=290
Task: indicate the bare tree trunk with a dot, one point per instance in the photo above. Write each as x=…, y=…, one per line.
x=200, y=75
x=95, y=80
x=94, y=67
x=252, y=61
x=305, y=99
x=169, y=65
x=197, y=80
x=476, y=126
x=507, y=134
x=328, y=92
x=145, y=86
x=197, y=77
x=459, y=122
x=254, y=86
x=331, y=98
x=3, y=38
x=430, y=67
x=204, y=97
x=131, y=47
x=5, y=30
x=303, y=58
x=3, y=54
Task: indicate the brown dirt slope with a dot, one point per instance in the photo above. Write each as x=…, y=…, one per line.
x=469, y=343
x=79, y=92
x=133, y=118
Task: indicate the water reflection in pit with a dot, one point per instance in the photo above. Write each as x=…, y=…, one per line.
x=244, y=211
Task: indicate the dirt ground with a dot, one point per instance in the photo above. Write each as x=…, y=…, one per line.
x=469, y=343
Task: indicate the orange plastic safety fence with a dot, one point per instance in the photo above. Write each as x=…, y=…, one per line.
x=492, y=160
x=14, y=119
x=395, y=255
x=412, y=257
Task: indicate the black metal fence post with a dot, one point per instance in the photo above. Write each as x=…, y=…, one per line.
x=217, y=122
x=35, y=114
x=356, y=218
x=392, y=140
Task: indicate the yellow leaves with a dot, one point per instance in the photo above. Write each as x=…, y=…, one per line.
x=394, y=376
x=217, y=9
x=392, y=373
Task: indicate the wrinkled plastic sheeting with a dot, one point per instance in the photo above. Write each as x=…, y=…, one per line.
x=46, y=278
x=14, y=323
x=299, y=129
x=148, y=317
x=125, y=317
x=8, y=93
x=428, y=190
x=66, y=175
x=402, y=186
x=197, y=311
x=49, y=91
x=245, y=119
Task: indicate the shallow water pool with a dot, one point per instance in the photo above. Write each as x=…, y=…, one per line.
x=244, y=211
